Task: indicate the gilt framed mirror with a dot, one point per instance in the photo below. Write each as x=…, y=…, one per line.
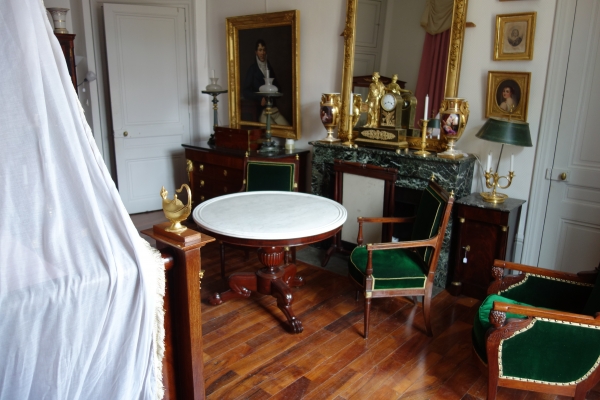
x=259, y=46
x=355, y=33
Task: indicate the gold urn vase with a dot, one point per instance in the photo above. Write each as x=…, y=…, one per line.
x=454, y=114
x=329, y=112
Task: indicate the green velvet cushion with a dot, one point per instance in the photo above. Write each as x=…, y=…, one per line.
x=551, y=352
x=592, y=306
x=428, y=218
x=269, y=176
x=392, y=269
x=482, y=321
x=550, y=293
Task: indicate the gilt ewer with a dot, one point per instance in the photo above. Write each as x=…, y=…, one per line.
x=175, y=210
x=454, y=114
x=329, y=112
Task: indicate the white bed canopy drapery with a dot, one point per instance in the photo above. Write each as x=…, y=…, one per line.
x=80, y=291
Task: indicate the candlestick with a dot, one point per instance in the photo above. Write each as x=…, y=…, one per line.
x=489, y=162
x=512, y=162
x=426, y=107
x=423, y=152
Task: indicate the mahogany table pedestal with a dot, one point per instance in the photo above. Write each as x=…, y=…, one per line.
x=274, y=279
x=271, y=222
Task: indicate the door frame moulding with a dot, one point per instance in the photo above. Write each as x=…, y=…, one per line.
x=564, y=17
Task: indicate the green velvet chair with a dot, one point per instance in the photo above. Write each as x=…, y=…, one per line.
x=268, y=174
x=403, y=268
x=540, y=331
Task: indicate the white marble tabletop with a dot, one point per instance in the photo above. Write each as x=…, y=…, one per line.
x=270, y=215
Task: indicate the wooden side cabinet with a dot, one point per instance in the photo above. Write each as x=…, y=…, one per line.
x=66, y=41
x=482, y=232
x=216, y=171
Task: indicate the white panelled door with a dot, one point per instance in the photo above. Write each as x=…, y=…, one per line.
x=148, y=80
x=571, y=235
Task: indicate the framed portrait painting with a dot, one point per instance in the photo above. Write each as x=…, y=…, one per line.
x=508, y=95
x=514, y=36
x=261, y=46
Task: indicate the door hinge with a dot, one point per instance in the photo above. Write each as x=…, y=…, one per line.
x=556, y=174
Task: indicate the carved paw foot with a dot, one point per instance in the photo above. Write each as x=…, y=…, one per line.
x=296, y=326
x=215, y=299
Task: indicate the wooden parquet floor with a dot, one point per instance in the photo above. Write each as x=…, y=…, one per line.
x=248, y=353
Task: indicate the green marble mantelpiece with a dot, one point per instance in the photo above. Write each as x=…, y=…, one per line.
x=414, y=172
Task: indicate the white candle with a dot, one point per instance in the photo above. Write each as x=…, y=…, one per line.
x=512, y=162
x=351, y=105
x=489, y=162
x=213, y=73
x=426, y=107
x=267, y=74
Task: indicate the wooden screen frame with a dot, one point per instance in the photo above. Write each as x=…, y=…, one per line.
x=388, y=175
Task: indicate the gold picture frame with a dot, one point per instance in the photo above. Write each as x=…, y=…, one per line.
x=514, y=36
x=280, y=33
x=508, y=95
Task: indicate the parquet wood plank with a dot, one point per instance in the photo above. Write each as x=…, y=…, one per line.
x=249, y=354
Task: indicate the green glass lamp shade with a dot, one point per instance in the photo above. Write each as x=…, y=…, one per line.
x=506, y=132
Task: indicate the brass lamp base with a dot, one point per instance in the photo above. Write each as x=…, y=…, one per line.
x=493, y=197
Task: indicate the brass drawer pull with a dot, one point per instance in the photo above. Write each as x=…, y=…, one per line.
x=201, y=198
x=201, y=183
x=201, y=167
x=224, y=172
x=224, y=189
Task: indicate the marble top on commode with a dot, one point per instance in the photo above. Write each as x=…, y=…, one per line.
x=270, y=215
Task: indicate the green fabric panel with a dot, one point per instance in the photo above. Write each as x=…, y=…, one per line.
x=548, y=293
x=592, y=306
x=269, y=176
x=392, y=269
x=428, y=218
x=551, y=352
x=482, y=321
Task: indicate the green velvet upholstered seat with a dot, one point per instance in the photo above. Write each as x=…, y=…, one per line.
x=403, y=268
x=540, y=347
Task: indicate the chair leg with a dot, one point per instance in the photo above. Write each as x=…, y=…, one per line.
x=426, y=305
x=367, y=315
x=492, y=387
x=222, y=248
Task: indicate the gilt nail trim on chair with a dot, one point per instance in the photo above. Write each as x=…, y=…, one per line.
x=550, y=278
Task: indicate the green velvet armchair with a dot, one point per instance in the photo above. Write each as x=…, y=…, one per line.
x=540, y=331
x=266, y=174
x=403, y=268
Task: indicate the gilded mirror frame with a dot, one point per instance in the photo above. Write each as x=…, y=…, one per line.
x=457, y=34
x=235, y=25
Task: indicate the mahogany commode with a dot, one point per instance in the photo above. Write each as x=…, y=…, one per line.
x=269, y=221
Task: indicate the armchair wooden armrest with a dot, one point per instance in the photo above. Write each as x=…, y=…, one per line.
x=501, y=281
x=380, y=220
x=544, y=313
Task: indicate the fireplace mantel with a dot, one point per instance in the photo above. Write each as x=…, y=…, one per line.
x=413, y=173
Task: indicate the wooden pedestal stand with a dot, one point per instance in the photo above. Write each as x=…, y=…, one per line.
x=183, y=366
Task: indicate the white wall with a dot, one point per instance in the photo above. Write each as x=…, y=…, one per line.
x=477, y=61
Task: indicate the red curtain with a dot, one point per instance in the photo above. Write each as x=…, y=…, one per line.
x=432, y=74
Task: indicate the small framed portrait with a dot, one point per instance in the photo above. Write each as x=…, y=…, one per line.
x=514, y=36
x=259, y=48
x=508, y=95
